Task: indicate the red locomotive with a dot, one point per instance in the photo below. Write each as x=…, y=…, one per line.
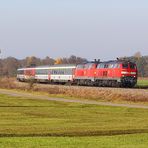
x=111, y=73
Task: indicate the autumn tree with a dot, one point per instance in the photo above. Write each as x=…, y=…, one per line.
x=32, y=61
x=58, y=61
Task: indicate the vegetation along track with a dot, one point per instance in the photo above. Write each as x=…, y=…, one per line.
x=135, y=95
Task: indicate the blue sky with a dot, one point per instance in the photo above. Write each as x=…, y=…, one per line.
x=103, y=29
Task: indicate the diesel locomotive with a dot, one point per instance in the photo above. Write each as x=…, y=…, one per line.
x=117, y=73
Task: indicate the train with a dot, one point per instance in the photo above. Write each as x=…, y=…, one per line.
x=115, y=73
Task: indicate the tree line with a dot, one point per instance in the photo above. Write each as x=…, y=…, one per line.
x=9, y=65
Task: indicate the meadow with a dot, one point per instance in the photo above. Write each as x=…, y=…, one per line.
x=142, y=82
x=41, y=123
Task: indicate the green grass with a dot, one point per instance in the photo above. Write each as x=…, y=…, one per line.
x=125, y=141
x=35, y=123
x=142, y=82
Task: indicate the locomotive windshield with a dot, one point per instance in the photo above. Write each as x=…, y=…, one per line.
x=132, y=66
x=129, y=65
x=125, y=65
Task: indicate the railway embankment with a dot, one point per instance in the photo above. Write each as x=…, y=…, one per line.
x=80, y=92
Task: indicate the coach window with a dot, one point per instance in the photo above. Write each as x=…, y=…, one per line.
x=58, y=71
x=46, y=71
x=67, y=71
x=51, y=71
x=36, y=71
x=41, y=71
x=62, y=71
x=70, y=71
x=54, y=72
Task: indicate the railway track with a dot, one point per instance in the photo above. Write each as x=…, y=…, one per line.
x=84, y=86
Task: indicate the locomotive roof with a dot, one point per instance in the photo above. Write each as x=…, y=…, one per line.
x=63, y=65
x=118, y=61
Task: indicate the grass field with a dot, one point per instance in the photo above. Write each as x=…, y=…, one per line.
x=142, y=82
x=36, y=123
x=124, y=141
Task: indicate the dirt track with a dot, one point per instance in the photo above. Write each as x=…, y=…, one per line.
x=44, y=97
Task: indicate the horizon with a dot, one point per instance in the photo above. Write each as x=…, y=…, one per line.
x=69, y=57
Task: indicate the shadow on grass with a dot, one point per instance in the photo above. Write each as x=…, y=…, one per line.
x=24, y=106
x=141, y=87
x=80, y=134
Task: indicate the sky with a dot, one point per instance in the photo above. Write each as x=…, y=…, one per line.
x=101, y=29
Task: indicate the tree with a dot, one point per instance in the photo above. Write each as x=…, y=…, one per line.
x=48, y=61
x=10, y=66
x=141, y=65
x=137, y=55
x=58, y=61
x=32, y=61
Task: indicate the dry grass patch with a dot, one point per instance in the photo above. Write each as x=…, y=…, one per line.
x=95, y=93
